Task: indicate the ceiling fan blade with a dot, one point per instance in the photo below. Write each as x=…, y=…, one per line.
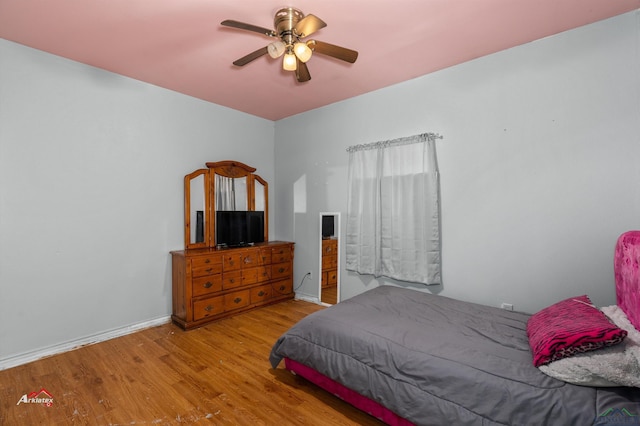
x=241, y=25
x=302, y=72
x=332, y=50
x=309, y=25
x=250, y=57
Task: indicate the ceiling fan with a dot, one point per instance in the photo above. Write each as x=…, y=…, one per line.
x=291, y=26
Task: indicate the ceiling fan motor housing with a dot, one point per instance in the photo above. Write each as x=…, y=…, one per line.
x=285, y=20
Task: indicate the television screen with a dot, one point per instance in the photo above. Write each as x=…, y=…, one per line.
x=199, y=226
x=239, y=228
x=327, y=226
x=255, y=226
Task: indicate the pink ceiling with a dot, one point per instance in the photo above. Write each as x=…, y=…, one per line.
x=180, y=45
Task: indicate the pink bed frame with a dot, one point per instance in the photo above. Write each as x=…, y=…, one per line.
x=627, y=276
x=361, y=402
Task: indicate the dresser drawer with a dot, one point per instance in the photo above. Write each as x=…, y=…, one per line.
x=324, y=279
x=255, y=275
x=207, y=307
x=205, y=285
x=265, y=257
x=256, y=257
x=260, y=294
x=280, y=254
x=282, y=287
x=329, y=247
x=231, y=279
x=236, y=300
x=332, y=277
x=232, y=261
x=329, y=261
x=280, y=270
x=206, y=265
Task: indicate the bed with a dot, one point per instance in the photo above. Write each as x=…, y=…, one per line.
x=409, y=357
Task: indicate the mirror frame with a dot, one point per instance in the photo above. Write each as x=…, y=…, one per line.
x=229, y=169
x=252, y=204
x=337, y=236
x=187, y=209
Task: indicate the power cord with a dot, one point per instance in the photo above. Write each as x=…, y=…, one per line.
x=308, y=274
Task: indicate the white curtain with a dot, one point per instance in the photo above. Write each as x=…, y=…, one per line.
x=225, y=193
x=393, y=212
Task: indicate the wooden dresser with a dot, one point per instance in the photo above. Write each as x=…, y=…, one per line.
x=212, y=283
x=329, y=262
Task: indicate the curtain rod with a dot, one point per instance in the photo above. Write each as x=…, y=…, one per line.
x=423, y=137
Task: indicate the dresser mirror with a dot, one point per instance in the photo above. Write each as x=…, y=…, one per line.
x=196, y=200
x=260, y=192
x=222, y=186
x=231, y=193
x=329, y=273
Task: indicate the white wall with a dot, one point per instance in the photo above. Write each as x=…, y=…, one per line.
x=540, y=166
x=91, y=195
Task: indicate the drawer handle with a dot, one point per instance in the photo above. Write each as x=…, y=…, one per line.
x=247, y=260
x=237, y=300
x=208, y=269
x=281, y=270
x=207, y=261
x=261, y=293
x=208, y=284
x=232, y=280
x=209, y=308
x=281, y=288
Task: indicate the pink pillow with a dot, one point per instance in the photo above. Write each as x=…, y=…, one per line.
x=570, y=327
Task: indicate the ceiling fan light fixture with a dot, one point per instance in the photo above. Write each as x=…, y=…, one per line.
x=276, y=49
x=291, y=27
x=289, y=62
x=302, y=51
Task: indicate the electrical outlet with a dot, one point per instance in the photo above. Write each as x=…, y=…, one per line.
x=507, y=306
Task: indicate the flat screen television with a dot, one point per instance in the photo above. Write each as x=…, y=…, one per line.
x=237, y=228
x=327, y=226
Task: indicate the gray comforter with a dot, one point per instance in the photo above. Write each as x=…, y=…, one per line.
x=439, y=361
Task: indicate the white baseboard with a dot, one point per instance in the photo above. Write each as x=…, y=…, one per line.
x=308, y=299
x=23, y=358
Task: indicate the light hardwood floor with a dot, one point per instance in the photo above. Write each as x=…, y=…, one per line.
x=330, y=294
x=218, y=374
